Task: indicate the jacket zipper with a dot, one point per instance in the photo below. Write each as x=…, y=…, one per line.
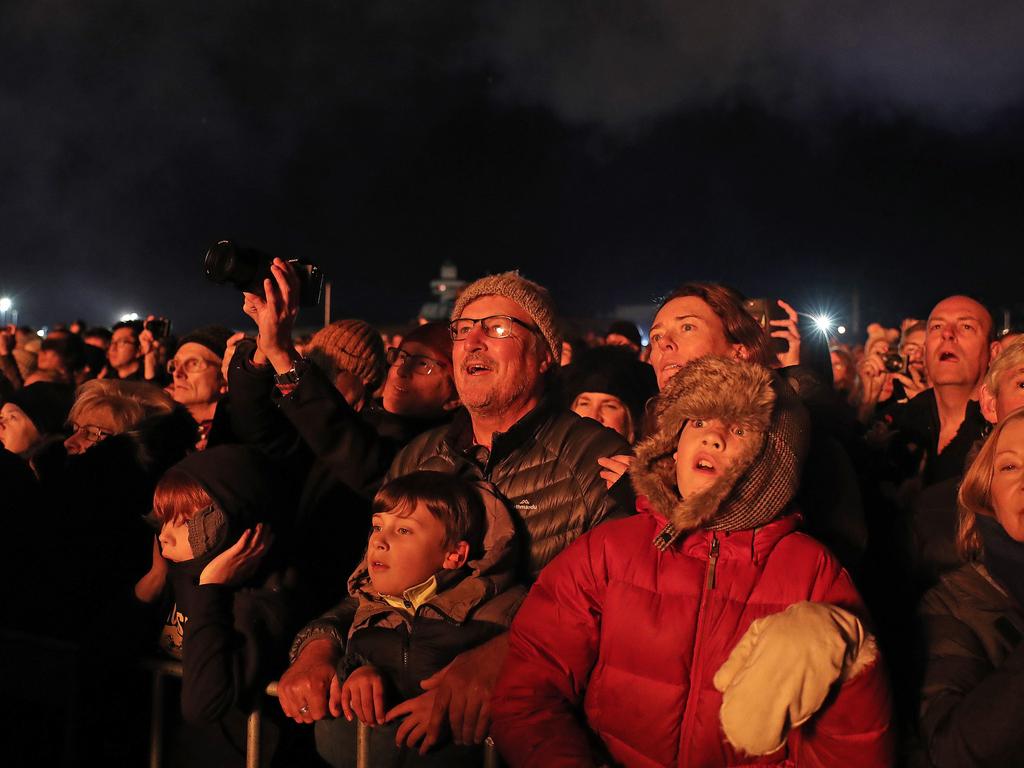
x=712, y=562
x=696, y=676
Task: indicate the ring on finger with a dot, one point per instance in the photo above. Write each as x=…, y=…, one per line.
x=304, y=709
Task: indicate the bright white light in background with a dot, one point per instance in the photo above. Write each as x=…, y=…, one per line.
x=841, y=329
x=41, y=333
x=5, y=304
x=129, y=317
x=822, y=322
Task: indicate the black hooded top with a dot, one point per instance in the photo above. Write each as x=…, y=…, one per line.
x=235, y=638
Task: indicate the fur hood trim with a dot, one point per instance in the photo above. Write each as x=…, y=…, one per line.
x=740, y=393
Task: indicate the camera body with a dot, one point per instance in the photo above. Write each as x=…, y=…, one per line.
x=247, y=268
x=764, y=310
x=159, y=327
x=894, y=362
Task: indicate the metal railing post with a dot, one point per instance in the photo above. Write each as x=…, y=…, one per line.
x=156, y=720
x=252, y=739
x=491, y=759
x=362, y=745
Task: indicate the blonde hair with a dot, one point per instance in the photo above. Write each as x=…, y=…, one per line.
x=1010, y=359
x=127, y=402
x=975, y=496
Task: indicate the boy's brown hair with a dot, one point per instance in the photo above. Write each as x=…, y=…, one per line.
x=453, y=501
x=178, y=497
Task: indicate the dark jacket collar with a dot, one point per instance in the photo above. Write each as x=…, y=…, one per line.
x=459, y=437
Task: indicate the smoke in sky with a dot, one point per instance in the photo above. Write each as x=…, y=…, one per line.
x=616, y=62
x=495, y=133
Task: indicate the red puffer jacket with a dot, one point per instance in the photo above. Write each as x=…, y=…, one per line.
x=636, y=636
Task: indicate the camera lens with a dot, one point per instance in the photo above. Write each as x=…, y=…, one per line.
x=893, y=362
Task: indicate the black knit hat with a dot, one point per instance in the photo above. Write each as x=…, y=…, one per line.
x=46, y=404
x=627, y=330
x=213, y=337
x=613, y=371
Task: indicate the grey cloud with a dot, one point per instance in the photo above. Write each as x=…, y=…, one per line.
x=618, y=62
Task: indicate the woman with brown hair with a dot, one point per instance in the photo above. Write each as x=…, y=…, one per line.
x=973, y=619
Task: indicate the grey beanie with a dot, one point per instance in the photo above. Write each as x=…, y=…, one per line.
x=533, y=298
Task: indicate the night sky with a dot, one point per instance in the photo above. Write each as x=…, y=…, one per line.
x=606, y=149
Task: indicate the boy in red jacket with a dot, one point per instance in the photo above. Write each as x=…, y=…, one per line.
x=704, y=631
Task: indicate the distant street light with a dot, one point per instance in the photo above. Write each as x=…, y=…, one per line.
x=6, y=304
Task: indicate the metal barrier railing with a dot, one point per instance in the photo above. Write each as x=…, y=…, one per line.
x=162, y=668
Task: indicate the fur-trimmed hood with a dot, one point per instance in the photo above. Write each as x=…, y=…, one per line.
x=761, y=481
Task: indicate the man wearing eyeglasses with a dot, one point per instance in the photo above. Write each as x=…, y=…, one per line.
x=542, y=459
x=198, y=384
x=125, y=353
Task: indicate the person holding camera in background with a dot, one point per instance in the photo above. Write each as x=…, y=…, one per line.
x=891, y=377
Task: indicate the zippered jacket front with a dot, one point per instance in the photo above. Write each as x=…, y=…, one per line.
x=613, y=653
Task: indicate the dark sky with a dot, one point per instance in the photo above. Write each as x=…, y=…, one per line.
x=606, y=149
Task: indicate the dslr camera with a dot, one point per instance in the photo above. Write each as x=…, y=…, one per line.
x=247, y=268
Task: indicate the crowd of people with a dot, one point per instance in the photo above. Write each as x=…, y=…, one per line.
x=732, y=546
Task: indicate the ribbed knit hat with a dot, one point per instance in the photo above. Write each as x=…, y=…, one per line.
x=760, y=483
x=533, y=298
x=353, y=345
x=213, y=337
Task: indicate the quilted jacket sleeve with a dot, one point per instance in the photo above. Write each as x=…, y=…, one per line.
x=537, y=705
x=854, y=728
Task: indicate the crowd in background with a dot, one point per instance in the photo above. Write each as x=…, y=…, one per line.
x=739, y=542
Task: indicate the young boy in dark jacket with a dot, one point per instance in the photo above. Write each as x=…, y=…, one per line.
x=436, y=581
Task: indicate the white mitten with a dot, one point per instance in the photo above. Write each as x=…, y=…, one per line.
x=780, y=672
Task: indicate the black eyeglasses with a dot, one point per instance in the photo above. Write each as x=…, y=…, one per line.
x=91, y=433
x=495, y=326
x=424, y=366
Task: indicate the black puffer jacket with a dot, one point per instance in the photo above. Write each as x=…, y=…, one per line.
x=974, y=681
x=545, y=466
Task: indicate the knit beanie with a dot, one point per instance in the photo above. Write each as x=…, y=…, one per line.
x=761, y=481
x=627, y=330
x=613, y=371
x=352, y=345
x=46, y=404
x=436, y=336
x=213, y=337
x=533, y=298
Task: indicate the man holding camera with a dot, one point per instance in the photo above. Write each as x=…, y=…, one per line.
x=542, y=458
